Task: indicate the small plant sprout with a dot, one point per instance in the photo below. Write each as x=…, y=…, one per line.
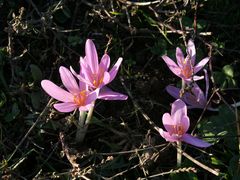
x=77, y=95
x=177, y=124
x=96, y=75
x=185, y=67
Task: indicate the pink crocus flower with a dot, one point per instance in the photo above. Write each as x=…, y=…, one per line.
x=185, y=67
x=177, y=124
x=77, y=95
x=97, y=75
x=195, y=98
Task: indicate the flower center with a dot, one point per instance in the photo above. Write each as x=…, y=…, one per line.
x=187, y=69
x=80, y=99
x=98, y=78
x=178, y=130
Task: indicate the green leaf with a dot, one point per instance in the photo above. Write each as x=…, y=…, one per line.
x=185, y=176
x=75, y=40
x=13, y=114
x=36, y=72
x=216, y=161
x=228, y=71
x=35, y=99
x=62, y=15
x=220, y=126
x=233, y=165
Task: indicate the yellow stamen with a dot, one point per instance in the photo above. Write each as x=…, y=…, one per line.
x=178, y=130
x=80, y=99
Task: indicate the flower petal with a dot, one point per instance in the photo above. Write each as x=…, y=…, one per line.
x=91, y=56
x=115, y=68
x=106, y=79
x=68, y=80
x=105, y=62
x=191, y=50
x=107, y=94
x=85, y=108
x=194, y=141
x=56, y=92
x=167, y=136
x=185, y=123
x=200, y=65
x=168, y=123
x=172, y=65
x=179, y=56
x=92, y=96
x=179, y=109
x=173, y=91
x=198, y=93
x=65, y=107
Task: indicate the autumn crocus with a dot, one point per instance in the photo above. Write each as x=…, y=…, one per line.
x=76, y=96
x=185, y=67
x=195, y=97
x=177, y=124
x=97, y=75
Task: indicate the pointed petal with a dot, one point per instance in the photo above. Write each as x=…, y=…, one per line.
x=65, y=107
x=200, y=65
x=92, y=96
x=179, y=56
x=105, y=62
x=82, y=82
x=199, y=95
x=91, y=56
x=106, y=79
x=86, y=71
x=167, y=136
x=173, y=91
x=115, y=68
x=68, y=80
x=172, y=65
x=56, y=92
x=195, y=141
x=107, y=94
x=191, y=50
x=168, y=123
x=179, y=109
x=185, y=123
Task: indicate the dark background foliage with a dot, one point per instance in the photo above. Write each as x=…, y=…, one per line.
x=37, y=37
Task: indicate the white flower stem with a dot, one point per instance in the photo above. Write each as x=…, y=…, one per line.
x=183, y=88
x=179, y=153
x=83, y=124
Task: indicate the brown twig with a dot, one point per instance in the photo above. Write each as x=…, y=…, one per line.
x=31, y=128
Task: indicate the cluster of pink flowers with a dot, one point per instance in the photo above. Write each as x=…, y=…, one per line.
x=91, y=85
x=83, y=88
x=177, y=123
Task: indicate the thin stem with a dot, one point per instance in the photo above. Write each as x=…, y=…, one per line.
x=179, y=153
x=89, y=116
x=183, y=88
x=83, y=124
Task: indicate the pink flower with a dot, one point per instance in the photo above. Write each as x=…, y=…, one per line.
x=177, y=123
x=77, y=96
x=195, y=98
x=96, y=75
x=186, y=68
